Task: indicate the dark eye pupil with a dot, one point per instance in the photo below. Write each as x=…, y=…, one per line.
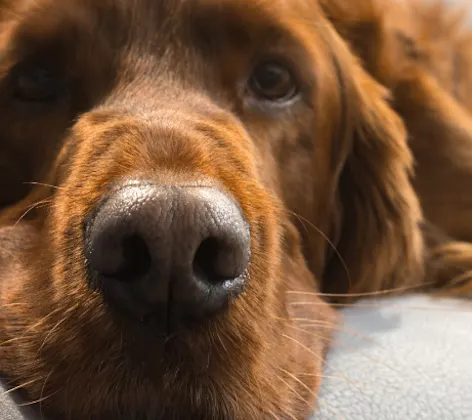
x=273, y=82
x=271, y=76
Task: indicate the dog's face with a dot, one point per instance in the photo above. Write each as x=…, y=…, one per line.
x=163, y=275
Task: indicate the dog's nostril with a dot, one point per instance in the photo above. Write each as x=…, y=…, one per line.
x=205, y=262
x=136, y=261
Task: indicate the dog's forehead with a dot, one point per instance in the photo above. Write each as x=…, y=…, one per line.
x=157, y=17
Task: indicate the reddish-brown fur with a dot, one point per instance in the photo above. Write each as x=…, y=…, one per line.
x=154, y=92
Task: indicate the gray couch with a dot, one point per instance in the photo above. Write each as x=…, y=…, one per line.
x=412, y=360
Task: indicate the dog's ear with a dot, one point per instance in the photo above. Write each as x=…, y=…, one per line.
x=376, y=215
x=381, y=34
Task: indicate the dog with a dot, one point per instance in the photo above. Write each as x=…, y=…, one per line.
x=192, y=183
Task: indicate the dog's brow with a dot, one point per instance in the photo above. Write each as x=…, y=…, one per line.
x=238, y=20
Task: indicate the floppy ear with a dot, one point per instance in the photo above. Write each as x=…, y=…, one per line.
x=376, y=215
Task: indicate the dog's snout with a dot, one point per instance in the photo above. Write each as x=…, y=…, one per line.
x=172, y=253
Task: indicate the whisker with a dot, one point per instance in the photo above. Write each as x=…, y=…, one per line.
x=38, y=401
x=41, y=399
x=16, y=388
x=365, y=294
x=378, y=306
x=314, y=375
x=317, y=356
x=32, y=327
x=330, y=325
x=330, y=243
x=332, y=341
x=43, y=184
x=293, y=389
x=12, y=340
x=31, y=208
x=341, y=329
x=310, y=391
x=50, y=332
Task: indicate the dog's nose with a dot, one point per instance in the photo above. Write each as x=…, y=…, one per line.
x=166, y=253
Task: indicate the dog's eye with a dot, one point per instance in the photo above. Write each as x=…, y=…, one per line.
x=36, y=84
x=272, y=81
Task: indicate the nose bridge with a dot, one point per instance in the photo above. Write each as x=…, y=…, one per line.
x=178, y=139
x=168, y=89
x=175, y=130
x=148, y=84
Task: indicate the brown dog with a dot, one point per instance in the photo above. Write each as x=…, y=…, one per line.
x=211, y=163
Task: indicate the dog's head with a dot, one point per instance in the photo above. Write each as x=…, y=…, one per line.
x=212, y=153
